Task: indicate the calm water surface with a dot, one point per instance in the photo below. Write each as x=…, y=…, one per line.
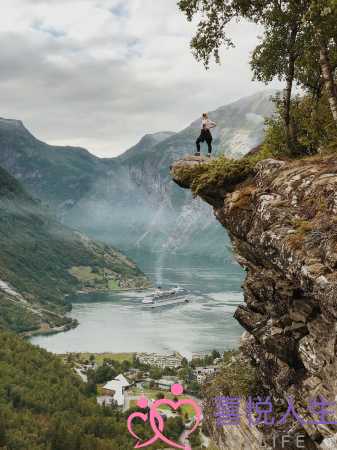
x=117, y=322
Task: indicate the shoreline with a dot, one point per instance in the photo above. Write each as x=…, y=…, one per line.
x=51, y=330
x=107, y=291
x=75, y=323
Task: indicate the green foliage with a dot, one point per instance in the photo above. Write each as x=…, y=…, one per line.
x=10, y=188
x=195, y=440
x=186, y=374
x=298, y=45
x=314, y=128
x=59, y=170
x=194, y=388
x=37, y=255
x=206, y=360
x=174, y=426
x=211, y=32
x=104, y=373
x=215, y=354
x=44, y=406
x=221, y=173
x=238, y=378
x=16, y=318
x=156, y=373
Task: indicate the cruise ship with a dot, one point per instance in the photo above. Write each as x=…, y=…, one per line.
x=166, y=297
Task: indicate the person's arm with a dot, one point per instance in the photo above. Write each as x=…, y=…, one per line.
x=211, y=124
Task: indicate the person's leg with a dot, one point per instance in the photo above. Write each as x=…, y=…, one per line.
x=209, y=143
x=198, y=141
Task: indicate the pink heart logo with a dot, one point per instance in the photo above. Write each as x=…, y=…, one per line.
x=144, y=417
x=157, y=422
x=175, y=406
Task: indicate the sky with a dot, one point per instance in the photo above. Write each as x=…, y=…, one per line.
x=102, y=73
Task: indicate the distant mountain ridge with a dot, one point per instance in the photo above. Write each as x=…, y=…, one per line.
x=130, y=200
x=148, y=141
x=54, y=174
x=42, y=261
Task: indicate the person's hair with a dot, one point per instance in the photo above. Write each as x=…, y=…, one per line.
x=205, y=115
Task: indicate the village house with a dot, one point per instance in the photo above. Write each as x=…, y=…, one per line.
x=166, y=383
x=172, y=360
x=115, y=390
x=200, y=355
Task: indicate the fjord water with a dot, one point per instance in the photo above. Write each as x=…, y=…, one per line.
x=117, y=322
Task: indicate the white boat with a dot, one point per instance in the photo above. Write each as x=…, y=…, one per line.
x=166, y=297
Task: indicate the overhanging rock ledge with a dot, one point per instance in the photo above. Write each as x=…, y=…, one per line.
x=282, y=221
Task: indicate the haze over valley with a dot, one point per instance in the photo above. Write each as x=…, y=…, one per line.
x=130, y=200
x=131, y=203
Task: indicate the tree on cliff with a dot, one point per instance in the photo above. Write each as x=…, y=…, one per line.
x=278, y=53
x=322, y=18
x=299, y=42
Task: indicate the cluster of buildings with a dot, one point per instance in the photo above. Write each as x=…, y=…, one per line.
x=166, y=383
x=200, y=355
x=172, y=360
x=114, y=392
x=202, y=373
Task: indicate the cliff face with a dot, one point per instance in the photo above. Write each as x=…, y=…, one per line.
x=283, y=225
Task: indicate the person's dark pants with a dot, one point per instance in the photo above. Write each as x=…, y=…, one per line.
x=205, y=136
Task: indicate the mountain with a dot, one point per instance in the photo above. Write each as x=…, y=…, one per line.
x=130, y=200
x=57, y=175
x=147, y=142
x=42, y=261
x=138, y=203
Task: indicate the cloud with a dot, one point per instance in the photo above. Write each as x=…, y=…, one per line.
x=102, y=73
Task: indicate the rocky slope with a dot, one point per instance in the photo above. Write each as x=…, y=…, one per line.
x=41, y=261
x=131, y=201
x=283, y=226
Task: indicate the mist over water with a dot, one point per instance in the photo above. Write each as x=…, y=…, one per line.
x=159, y=269
x=117, y=322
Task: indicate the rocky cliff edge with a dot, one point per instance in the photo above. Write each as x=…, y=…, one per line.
x=282, y=220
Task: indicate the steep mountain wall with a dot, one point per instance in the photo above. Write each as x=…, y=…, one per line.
x=283, y=225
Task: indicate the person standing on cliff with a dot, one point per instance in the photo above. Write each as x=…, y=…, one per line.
x=205, y=135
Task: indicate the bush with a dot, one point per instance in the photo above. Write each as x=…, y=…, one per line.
x=236, y=379
x=312, y=124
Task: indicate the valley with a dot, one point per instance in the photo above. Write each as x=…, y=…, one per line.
x=117, y=322
x=130, y=201
x=39, y=261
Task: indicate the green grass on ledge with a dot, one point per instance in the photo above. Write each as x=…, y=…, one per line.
x=221, y=172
